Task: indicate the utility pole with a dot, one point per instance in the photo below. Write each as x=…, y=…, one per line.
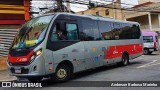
x=113, y=9
x=59, y=5
x=68, y=6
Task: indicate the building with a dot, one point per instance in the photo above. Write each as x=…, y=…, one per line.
x=14, y=13
x=106, y=11
x=148, y=15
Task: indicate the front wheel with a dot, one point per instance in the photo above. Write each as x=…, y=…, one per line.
x=146, y=52
x=63, y=73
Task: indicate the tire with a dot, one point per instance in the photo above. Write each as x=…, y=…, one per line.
x=150, y=53
x=146, y=52
x=63, y=73
x=125, y=60
x=35, y=79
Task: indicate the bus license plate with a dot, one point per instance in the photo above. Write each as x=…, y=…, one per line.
x=17, y=70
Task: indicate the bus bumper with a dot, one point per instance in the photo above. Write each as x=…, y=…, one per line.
x=36, y=68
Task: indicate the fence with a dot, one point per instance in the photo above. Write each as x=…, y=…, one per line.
x=6, y=39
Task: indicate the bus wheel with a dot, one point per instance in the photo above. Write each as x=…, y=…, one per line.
x=63, y=73
x=35, y=79
x=146, y=52
x=125, y=59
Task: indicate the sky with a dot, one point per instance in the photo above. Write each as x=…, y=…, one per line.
x=78, y=7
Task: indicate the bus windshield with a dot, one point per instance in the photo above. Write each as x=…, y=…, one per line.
x=32, y=33
x=147, y=38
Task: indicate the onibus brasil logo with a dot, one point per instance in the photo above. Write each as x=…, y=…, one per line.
x=20, y=84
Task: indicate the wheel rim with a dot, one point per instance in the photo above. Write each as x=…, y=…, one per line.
x=125, y=60
x=61, y=73
x=145, y=51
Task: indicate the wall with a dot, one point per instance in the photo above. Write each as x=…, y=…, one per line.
x=102, y=12
x=13, y=13
x=143, y=20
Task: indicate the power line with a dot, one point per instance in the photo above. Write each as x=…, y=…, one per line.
x=99, y=4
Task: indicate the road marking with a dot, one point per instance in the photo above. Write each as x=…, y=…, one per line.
x=153, y=64
x=148, y=64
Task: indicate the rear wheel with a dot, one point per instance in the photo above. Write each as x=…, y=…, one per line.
x=63, y=73
x=146, y=52
x=125, y=60
x=35, y=79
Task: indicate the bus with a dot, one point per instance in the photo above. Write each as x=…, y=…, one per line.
x=151, y=43
x=61, y=44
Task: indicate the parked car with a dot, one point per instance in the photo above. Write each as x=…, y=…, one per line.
x=150, y=43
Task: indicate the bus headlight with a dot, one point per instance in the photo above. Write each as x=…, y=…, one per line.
x=37, y=53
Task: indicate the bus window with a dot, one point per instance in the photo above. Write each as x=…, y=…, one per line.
x=59, y=34
x=105, y=30
x=135, y=32
x=126, y=32
x=90, y=30
x=72, y=31
x=116, y=29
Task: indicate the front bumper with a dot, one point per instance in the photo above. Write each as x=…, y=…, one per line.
x=36, y=68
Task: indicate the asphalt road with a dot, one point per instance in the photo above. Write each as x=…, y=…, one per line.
x=144, y=68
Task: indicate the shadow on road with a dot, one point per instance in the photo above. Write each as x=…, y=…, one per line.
x=87, y=73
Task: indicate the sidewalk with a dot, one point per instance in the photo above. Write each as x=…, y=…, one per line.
x=4, y=74
x=3, y=65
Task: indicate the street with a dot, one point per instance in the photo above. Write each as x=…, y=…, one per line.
x=144, y=68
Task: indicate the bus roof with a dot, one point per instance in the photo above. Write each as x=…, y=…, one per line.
x=94, y=17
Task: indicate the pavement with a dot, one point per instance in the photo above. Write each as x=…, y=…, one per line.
x=4, y=73
x=4, y=76
x=3, y=65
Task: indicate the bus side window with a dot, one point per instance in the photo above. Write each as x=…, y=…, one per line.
x=105, y=29
x=54, y=36
x=58, y=33
x=72, y=31
x=90, y=30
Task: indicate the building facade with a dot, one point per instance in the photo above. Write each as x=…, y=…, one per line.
x=110, y=10
x=148, y=17
x=14, y=13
